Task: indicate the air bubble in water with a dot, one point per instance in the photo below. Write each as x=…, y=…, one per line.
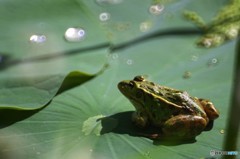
x=75, y=34
x=37, y=38
x=156, y=9
x=104, y=16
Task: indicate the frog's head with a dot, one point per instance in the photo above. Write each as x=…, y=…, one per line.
x=131, y=88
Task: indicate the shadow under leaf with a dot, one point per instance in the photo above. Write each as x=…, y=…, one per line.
x=11, y=115
x=120, y=123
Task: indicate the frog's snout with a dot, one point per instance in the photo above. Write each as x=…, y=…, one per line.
x=124, y=87
x=121, y=86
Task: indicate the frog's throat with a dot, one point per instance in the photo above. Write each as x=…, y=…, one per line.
x=137, y=104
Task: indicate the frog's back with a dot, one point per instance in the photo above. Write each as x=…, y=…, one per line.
x=161, y=103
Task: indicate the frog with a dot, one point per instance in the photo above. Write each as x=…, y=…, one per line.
x=174, y=112
x=224, y=27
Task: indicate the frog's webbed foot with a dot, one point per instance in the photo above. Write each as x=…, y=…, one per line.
x=184, y=126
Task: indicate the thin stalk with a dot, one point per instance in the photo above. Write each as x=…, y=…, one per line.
x=231, y=138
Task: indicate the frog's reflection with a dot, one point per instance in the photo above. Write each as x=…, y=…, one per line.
x=120, y=123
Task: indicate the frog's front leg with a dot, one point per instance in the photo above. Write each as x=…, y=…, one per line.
x=184, y=126
x=140, y=119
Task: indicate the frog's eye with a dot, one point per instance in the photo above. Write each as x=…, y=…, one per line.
x=139, y=78
x=131, y=84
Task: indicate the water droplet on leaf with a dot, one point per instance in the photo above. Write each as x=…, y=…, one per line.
x=222, y=131
x=129, y=62
x=213, y=62
x=75, y=34
x=114, y=56
x=187, y=74
x=194, y=58
x=145, y=26
x=37, y=38
x=156, y=9
x=104, y=16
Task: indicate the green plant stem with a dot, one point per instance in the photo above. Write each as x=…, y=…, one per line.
x=232, y=132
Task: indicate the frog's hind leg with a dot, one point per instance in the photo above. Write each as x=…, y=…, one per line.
x=184, y=126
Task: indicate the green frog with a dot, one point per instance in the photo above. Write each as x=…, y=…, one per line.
x=173, y=111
